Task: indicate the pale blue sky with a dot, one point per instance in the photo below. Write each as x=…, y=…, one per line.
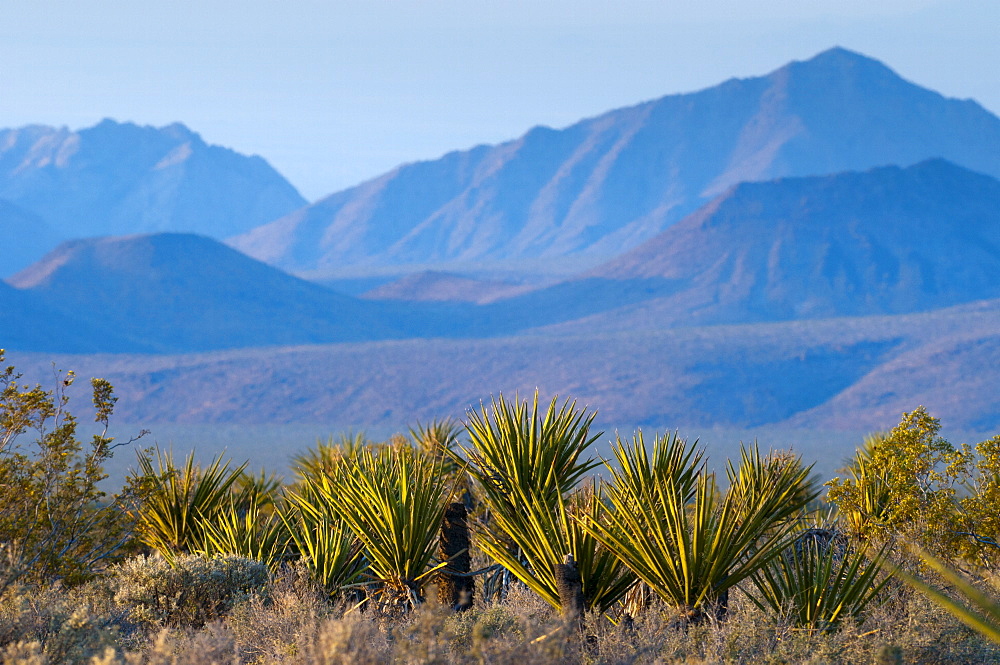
x=335, y=92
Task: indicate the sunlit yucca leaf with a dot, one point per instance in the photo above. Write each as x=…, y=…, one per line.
x=394, y=502
x=438, y=439
x=247, y=531
x=328, y=547
x=820, y=583
x=544, y=533
x=777, y=485
x=261, y=490
x=672, y=460
x=980, y=612
x=179, y=501
x=528, y=466
x=512, y=446
x=327, y=454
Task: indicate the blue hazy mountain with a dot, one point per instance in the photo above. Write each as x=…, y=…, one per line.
x=889, y=240
x=121, y=178
x=26, y=238
x=886, y=241
x=174, y=292
x=555, y=199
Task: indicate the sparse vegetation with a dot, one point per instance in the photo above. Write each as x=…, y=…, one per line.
x=212, y=565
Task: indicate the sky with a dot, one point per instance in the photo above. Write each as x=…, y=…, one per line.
x=334, y=92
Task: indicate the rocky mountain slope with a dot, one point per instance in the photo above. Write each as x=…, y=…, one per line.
x=555, y=200
x=885, y=241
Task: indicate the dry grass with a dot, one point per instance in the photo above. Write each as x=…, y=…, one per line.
x=289, y=620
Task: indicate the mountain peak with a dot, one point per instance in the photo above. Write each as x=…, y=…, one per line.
x=120, y=177
x=838, y=56
x=840, y=63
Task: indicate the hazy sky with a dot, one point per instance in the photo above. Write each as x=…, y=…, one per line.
x=334, y=92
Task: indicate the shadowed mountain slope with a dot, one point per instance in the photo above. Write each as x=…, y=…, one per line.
x=28, y=324
x=25, y=238
x=889, y=240
x=181, y=292
x=556, y=198
x=120, y=178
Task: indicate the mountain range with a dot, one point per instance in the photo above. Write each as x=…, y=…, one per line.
x=561, y=200
x=120, y=178
x=814, y=248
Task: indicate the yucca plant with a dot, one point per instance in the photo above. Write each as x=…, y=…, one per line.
x=438, y=439
x=686, y=541
x=327, y=454
x=820, y=582
x=528, y=467
x=180, y=501
x=262, y=490
x=242, y=528
x=394, y=502
x=329, y=549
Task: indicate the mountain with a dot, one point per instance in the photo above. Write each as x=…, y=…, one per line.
x=885, y=241
x=182, y=292
x=26, y=238
x=28, y=324
x=121, y=178
x=556, y=200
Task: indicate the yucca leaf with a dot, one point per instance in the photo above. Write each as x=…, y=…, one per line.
x=980, y=612
x=528, y=466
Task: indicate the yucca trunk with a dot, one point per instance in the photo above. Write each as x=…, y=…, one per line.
x=456, y=588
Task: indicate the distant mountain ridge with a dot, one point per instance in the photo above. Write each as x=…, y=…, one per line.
x=121, y=178
x=584, y=194
x=818, y=247
x=171, y=292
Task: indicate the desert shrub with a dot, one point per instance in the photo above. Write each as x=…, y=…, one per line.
x=192, y=591
x=904, y=483
x=56, y=523
x=913, y=484
x=52, y=623
x=270, y=627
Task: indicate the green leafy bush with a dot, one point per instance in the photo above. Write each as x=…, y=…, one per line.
x=56, y=523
